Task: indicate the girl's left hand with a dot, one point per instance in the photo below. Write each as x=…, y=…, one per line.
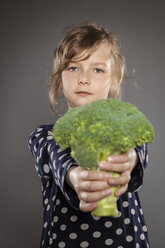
x=124, y=164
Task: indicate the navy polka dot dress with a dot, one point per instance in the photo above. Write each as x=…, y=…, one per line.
x=64, y=225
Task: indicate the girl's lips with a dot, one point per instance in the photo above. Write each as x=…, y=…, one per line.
x=83, y=93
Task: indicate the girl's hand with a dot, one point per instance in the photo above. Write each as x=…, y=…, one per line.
x=124, y=164
x=90, y=186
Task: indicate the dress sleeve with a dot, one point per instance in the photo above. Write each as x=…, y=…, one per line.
x=138, y=172
x=52, y=162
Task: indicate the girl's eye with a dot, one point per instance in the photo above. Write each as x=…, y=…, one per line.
x=72, y=68
x=98, y=70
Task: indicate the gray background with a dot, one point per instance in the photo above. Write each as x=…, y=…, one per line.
x=30, y=31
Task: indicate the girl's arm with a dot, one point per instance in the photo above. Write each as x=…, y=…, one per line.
x=52, y=162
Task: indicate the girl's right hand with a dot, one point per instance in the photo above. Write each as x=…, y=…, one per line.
x=90, y=186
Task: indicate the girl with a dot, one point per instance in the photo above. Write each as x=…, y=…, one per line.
x=88, y=67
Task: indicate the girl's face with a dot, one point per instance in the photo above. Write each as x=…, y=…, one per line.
x=88, y=80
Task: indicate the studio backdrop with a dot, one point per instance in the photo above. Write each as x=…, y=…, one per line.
x=30, y=31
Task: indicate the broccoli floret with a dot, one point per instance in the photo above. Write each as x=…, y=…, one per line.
x=99, y=129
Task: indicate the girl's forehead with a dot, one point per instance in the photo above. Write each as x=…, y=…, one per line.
x=101, y=51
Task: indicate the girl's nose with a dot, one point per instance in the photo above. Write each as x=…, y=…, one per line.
x=83, y=79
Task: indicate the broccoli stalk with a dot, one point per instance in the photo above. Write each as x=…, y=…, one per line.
x=99, y=129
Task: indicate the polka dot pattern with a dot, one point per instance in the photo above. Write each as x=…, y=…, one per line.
x=64, y=225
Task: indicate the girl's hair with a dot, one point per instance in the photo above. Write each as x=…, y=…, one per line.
x=80, y=40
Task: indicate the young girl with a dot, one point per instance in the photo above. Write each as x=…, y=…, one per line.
x=87, y=67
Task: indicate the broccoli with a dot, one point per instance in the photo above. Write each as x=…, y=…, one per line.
x=99, y=129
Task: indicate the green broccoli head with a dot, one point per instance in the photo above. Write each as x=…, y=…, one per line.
x=102, y=128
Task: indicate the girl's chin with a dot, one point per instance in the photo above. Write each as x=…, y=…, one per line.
x=79, y=103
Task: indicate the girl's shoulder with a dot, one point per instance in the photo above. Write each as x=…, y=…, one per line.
x=48, y=127
x=43, y=130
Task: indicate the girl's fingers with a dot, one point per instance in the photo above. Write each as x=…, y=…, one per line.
x=123, y=179
x=93, y=175
x=86, y=206
x=90, y=186
x=124, y=157
x=94, y=196
x=115, y=167
x=121, y=190
x=120, y=163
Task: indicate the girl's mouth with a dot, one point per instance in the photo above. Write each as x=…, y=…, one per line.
x=83, y=93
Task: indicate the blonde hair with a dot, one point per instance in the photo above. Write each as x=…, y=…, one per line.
x=85, y=37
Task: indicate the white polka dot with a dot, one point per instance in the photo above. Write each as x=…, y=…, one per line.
x=147, y=158
x=72, y=235
x=43, y=243
x=120, y=246
x=61, y=245
x=141, y=211
x=50, y=241
x=119, y=214
x=84, y=244
x=51, y=156
x=129, y=238
x=144, y=228
x=64, y=210
x=135, y=228
x=55, y=219
x=46, y=201
x=96, y=234
x=73, y=218
x=119, y=231
x=139, y=220
x=125, y=204
x=126, y=221
x=46, y=168
x=47, y=185
x=40, y=140
x=54, y=235
x=84, y=226
x=48, y=207
x=108, y=241
x=96, y=217
x=108, y=224
x=142, y=237
x=136, y=203
x=63, y=155
x=137, y=245
x=129, y=194
x=63, y=227
x=49, y=233
x=58, y=202
x=60, y=150
x=132, y=211
x=45, y=224
x=35, y=149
